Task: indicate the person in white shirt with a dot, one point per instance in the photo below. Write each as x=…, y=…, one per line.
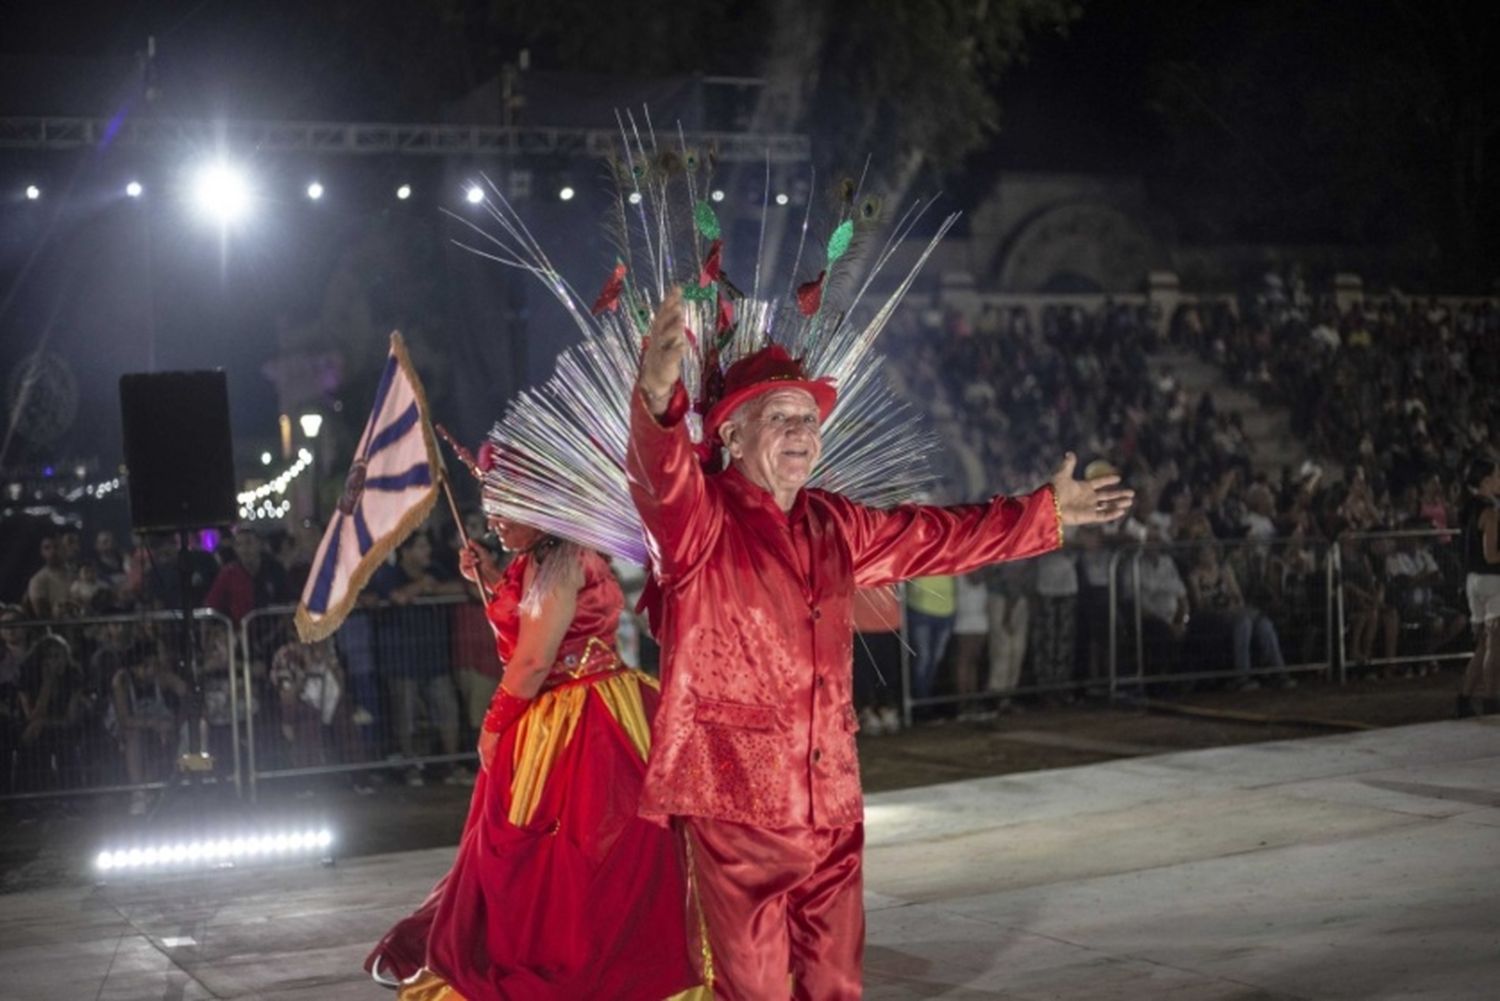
x=1414, y=579
x=48, y=592
x=1163, y=601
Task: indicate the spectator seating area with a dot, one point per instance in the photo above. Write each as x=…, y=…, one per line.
x=1391, y=397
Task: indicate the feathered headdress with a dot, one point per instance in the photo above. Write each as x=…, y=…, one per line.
x=561, y=445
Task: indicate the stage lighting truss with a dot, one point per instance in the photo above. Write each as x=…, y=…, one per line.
x=286, y=845
x=223, y=193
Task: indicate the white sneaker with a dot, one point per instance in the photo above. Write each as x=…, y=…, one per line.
x=138, y=803
x=414, y=778
x=890, y=719
x=869, y=723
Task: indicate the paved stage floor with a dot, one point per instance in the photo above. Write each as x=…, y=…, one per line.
x=1357, y=866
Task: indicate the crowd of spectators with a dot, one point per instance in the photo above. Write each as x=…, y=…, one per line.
x=97, y=687
x=1392, y=398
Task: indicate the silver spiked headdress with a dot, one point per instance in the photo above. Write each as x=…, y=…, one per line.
x=560, y=447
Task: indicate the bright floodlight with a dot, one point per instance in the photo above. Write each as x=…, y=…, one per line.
x=474, y=195
x=222, y=193
x=315, y=191
x=403, y=192
x=635, y=198
x=566, y=194
x=33, y=192
x=265, y=458
x=717, y=195
x=311, y=424
x=782, y=199
x=134, y=189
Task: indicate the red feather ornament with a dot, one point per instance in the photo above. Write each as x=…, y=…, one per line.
x=713, y=268
x=609, y=296
x=810, y=295
x=726, y=318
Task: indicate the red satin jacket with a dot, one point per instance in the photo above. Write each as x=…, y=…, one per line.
x=755, y=621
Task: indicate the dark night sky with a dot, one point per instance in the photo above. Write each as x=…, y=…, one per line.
x=1249, y=158
x=1080, y=100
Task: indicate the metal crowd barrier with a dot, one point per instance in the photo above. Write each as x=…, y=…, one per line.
x=100, y=704
x=1312, y=595
x=1411, y=618
x=1283, y=628
x=403, y=687
x=399, y=687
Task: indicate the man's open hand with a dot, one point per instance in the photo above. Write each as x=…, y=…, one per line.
x=666, y=345
x=1088, y=502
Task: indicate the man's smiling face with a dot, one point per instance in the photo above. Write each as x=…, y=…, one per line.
x=775, y=441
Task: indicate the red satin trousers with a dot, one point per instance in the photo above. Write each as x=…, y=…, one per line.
x=783, y=909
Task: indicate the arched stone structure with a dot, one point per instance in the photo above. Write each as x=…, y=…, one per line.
x=1076, y=246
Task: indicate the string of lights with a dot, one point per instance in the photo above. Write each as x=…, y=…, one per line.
x=56, y=490
x=268, y=500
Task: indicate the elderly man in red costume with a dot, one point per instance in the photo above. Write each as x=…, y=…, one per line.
x=753, y=751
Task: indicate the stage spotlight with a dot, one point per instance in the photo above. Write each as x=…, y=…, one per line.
x=403, y=192
x=717, y=195
x=265, y=458
x=566, y=194
x=33, y=192
x=315, y=191
x=635, y=198
x=222, y=193
x=781, y=198
x=474, y=195
x=134, y=189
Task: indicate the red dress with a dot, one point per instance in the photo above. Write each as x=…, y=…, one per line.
x=559, y=889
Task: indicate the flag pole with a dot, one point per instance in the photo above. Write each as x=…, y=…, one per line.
x=481, y=585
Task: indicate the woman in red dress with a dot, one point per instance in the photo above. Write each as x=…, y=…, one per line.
x=559, y=890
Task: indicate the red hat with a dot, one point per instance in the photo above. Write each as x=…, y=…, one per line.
x=768, y=369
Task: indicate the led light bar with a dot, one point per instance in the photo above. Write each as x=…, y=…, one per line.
x=215, y=851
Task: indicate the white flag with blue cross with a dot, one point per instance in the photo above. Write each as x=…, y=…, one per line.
x=392, y=484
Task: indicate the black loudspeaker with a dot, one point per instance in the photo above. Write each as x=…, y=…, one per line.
x=177, y=450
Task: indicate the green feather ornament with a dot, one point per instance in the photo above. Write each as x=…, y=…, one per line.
x=838, y=243
x=706, y=221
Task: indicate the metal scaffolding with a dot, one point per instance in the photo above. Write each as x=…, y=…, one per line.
x=368, y=138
